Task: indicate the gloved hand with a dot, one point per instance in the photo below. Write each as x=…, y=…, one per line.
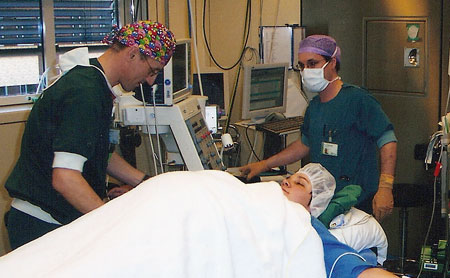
x=383, y=203
x=253, y=169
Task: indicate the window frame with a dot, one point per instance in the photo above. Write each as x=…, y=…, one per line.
x=50, y=48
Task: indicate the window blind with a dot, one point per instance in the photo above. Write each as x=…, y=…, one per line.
x=83, y=21
x=20, y=22
x=75, y=21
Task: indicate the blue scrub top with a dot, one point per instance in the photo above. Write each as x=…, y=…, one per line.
x=348, y=266
x=354, y=121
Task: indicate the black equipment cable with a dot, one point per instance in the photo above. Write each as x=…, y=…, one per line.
x=136, y=12
x=233, y=96
x=250, y=144
x=248, y=17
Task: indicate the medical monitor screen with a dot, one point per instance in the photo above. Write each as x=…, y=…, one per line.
x=174, y=81
x=213, y=87
x=179, y=65
x=265, y=87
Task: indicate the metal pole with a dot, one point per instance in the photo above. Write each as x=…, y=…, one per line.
x=444, y=195
x=404, y=237
x=166, y=13
x=444, y=180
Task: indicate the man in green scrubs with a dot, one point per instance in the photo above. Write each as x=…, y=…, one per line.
x=66, y=149
x=343, y=127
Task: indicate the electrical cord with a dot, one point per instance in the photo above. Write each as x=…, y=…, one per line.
x=148, y=131
x=248, y=16
x=432, y=212
x=233, y=97
x=429, y=225
x=194, y=38
x=136, y=12
x=429, y=154
x=237, y=145
x=236, y=82
x=250, y=144
x=448, y=95
x=254, y=53
x=342, y=255
x=154, y=88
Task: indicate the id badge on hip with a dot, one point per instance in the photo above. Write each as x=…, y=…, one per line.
x=329, y=148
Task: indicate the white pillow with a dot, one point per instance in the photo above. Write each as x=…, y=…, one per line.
x=360, y=231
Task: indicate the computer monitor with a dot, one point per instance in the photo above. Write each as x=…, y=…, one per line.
x=174, y=81
x=181, y=70
x=215, y=86
x=264, y=90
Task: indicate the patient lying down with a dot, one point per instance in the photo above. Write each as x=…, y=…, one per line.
x=313, y=187
x=185, y=224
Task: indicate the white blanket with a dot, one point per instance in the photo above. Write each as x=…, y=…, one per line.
x=180, y=224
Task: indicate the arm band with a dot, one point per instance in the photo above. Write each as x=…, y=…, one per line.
x=68, y=160
x=386, y=181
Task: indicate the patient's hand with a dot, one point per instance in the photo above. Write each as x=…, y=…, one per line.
x=119, y=190
x=376, y=273
x=253, y=169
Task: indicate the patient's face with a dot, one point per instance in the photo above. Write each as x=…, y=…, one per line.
x=297, y=188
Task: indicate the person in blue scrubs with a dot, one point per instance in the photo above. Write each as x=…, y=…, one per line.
x=312, y=188
x=343, y=128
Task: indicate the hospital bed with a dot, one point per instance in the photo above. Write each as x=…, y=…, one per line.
x=180, y=224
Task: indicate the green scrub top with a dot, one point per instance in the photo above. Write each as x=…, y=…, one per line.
x=354, y=121
x=73, y=115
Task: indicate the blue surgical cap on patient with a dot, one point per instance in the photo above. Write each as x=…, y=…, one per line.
x=322, y=45
x=323, y=185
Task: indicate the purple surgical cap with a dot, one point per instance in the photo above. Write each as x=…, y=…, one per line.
x=320, y=44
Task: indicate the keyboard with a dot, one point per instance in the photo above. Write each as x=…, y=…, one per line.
x=281, y=127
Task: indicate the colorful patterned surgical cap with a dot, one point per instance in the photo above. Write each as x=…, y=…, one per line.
x=322, y=45
x=153, y=39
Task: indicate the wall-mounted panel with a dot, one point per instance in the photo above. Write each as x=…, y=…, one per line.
x=395, y=55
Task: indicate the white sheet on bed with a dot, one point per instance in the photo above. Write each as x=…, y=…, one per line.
x=180, y=224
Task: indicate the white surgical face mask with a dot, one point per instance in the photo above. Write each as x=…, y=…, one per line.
x=314, y=79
